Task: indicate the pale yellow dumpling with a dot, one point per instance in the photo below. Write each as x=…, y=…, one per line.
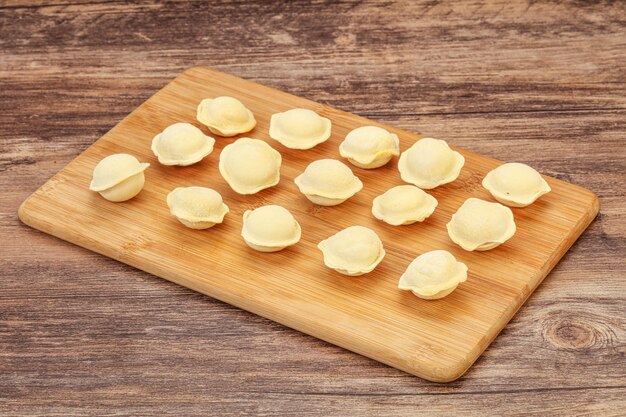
x=181, y=144
x=353, y=251
x=430, y=163
x=270, y=228
x=481, y=225
x=404, y=204
x=225, y=116
x=369, y=147
x=515, y=184
x=299, y=128
x=197, y=207
x=250, y=165
x=433, y=275
x=118, y=177
x=328, y=182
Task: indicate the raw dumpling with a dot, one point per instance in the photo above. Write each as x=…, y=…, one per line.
x=118, y=177
x=481, y=225
x=225, y=116
x=299, y=128
x=370, y=147
x=270, y=228
x=250, y=165
x=197, y=207
x=404, y=204
x=515, y=184
x=181, y=144
x=328, y=182
x=354, y=251
x=430, y=163
x=433, y=275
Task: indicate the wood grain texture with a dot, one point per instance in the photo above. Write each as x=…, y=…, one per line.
x=436, y=340
x=534, y=81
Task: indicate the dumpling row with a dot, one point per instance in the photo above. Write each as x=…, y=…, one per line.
x=250, y=165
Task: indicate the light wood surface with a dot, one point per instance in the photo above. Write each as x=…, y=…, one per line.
x=540, y=82
x=436, y=340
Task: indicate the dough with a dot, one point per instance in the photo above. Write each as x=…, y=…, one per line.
x=404, y=204
x=433, y=275
x=353, y=251
x=328, y=182
x=481, y=225
x=250, y=165
x=181, y=144
x=225, y=116
x=515, y=184
x=197, y=207
x=299, y=128
x=270, y=228
x=430, y=163
x=369, y=147
x=118, y=177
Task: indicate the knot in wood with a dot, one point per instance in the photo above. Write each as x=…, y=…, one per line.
x=574, y=333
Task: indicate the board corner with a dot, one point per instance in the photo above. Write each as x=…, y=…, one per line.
x=444, y=372
x=23, y=211
x=595, y=204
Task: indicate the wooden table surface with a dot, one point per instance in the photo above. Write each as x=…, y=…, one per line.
x=538, y=82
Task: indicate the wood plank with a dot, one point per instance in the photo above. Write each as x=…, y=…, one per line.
x=95, y=81
x=73, y=317
x=366, y=57
x=164, y=318
x=435, y=340
x=588, y=402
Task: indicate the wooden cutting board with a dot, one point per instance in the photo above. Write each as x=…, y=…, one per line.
x=437, y=340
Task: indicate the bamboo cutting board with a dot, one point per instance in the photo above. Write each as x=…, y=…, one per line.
x=437, y=340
